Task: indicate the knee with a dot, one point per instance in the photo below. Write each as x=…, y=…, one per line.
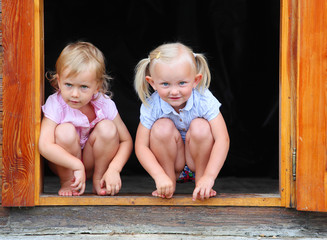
x=200, y=130
x=163, y=129
x=66, y=134
x=106, y=130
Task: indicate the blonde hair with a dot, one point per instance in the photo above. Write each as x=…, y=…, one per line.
x=77, y=57
x=167, y=53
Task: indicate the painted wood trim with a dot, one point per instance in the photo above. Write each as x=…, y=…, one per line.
x=267, y=200
x=18, y=103
x=312, y=107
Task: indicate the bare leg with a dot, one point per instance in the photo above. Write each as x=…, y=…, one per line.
x=167, y=145
x=99, y=150
x=66, y=137
x=198, y=145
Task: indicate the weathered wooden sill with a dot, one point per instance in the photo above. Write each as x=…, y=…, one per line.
x=223, y=199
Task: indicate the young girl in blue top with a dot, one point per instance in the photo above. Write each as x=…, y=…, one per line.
x=180, y=122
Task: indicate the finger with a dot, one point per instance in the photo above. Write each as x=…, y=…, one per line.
x=117, y=189
x=109, y=190
x=159, y=190
x=113, y=190
x=78, y=187
x=102, y=182
x=213, y=193
x=76, y=182
x=202, y=193
x=195, y=193
x=207, y=193
x=82, y=189
x=171, y=192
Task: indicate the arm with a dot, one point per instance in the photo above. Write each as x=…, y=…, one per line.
x=59, y=156
x=112, y=176
x=217, y=157
x=149, y=162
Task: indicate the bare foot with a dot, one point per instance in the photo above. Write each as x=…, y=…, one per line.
x=66, y=190
x=97, y=188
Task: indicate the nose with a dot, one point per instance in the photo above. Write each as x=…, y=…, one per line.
x=174, y=91
x=75, y=93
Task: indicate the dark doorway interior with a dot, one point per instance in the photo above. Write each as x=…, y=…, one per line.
x=239, y=37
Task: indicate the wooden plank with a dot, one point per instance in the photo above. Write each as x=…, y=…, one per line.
x=268, y=200
x=288, y=73
x=39, y=92
x=162, y=222
x=312, y=107
x=18, y=103
x=1, y=61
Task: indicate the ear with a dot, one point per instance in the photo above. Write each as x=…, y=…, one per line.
x=197, y=79
x=98, y=87
x=58, y=80
x=150, y=81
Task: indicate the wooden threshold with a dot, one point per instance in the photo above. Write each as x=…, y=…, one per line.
x=223, y=199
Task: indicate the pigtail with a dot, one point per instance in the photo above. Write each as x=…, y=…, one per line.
x=52, y=78
x=141, y=86
x=203, y=68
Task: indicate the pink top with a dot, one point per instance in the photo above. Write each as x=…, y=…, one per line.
x=60, y=112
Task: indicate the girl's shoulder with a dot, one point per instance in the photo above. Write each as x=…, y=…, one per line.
x=153, y=99
x=55, y=100
x=105, y=104
x=54, y=107
x=103, y=99
x=205, y=97
x=206, y=104
x=152, y=106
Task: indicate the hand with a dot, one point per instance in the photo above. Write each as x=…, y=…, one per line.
x=78, y=185
x=203, y=189
x=165, y=187
x=111, y=181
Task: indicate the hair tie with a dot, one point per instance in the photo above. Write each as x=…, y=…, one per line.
x=194, y=54
x=158, y=55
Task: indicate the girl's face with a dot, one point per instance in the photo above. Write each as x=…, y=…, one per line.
x=77, y=91
x=174, y=81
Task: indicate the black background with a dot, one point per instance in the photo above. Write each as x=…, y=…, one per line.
x=240, y=38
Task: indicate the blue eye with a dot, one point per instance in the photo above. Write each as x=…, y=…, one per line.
x=165, y=84
x=84, y=87
x=182, y=83
x=68, y=85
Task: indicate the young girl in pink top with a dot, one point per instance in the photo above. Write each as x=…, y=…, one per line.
x=82, y=134
x=180, y=122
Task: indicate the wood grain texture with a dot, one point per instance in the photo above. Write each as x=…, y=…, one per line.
x=18, y=103
x=39, y=92
x=312, y=107
x=287, y=82
x=163, y=222
x=1, y=108
x=268, y=200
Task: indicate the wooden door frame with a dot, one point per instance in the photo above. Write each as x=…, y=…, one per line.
x=24, y=73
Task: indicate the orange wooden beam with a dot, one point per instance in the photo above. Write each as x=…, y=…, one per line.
x=18, y=103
